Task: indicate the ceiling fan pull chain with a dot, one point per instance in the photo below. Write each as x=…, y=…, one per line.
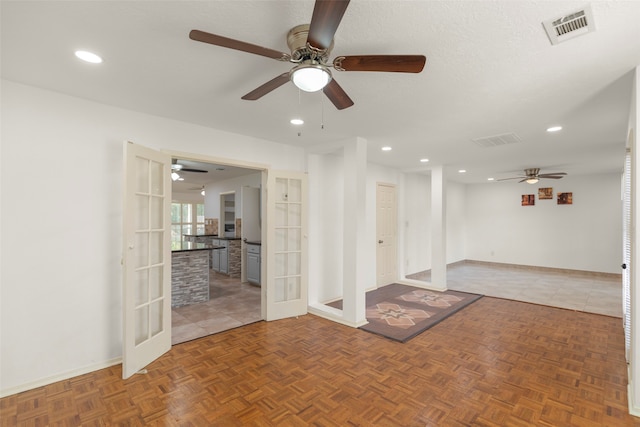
x=322, y=112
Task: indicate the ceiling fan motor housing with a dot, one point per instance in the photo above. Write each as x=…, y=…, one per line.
x=297, y=42
x=532, y=172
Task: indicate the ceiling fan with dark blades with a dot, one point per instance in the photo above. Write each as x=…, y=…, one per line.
x=177, y=167
x=310, y=46
x=533, y=175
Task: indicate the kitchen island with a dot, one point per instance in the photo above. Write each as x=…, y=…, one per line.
x=190, y=272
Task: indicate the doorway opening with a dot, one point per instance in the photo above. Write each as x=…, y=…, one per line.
x=215, y=191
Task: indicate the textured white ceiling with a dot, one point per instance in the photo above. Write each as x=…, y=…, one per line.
x=490, y=70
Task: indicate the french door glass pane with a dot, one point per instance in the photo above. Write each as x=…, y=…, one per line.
x=142, y=212
x=156, y=248
x=293, y=288
x=157, y=179
x=295, y=190
x=156, y=318
x=295, y=214
x=293, y=264
x=141, y=287
x=157, y=218
x=142, y=176
x=281, y=288
x=142, y=324
x=155, y=282
x=142, y=254
x=281, y=214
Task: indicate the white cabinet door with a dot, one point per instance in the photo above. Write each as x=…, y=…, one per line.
x=146, y=257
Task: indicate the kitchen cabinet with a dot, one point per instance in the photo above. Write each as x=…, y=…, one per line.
x=227, y=259
x=220, y=257
x=253, y=263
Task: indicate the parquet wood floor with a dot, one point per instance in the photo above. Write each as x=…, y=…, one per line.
x=495, y=363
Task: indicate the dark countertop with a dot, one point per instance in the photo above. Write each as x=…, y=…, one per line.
x=192, y=246
x=200, y=235
x=228, y=238
x=253, y=242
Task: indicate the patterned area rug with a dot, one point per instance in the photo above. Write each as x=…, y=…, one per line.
x=401, y=312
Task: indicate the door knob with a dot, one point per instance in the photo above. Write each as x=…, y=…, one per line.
x=380, y=241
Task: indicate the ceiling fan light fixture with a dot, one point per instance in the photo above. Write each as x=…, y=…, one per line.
x=175, y=176
x=532, y=180
x=310, y=77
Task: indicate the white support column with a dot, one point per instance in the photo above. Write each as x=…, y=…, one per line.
x=354, y=233
x=438, y=229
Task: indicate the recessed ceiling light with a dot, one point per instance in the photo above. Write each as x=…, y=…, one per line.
x=88, y=56
x=490, y=179
x=554, y=128
x=386, y=148
x=424, y=160
x=297, y=121
x=462, y=171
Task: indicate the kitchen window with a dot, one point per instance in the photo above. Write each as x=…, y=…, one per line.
x=186, y=218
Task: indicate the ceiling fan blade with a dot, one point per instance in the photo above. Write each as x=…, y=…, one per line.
x=387, y=63
x=549, y=176
x=267, y=87
x=326, y=17
x=555, y=175
x=193, y=170
x=515, y=177
x=337, y=95
x=214, y=39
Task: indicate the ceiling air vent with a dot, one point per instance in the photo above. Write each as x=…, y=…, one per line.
x=493, y=141
x=570, y=26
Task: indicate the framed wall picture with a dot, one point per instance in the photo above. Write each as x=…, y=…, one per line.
x=528, y=199
x=545, y=193
x=565, y=198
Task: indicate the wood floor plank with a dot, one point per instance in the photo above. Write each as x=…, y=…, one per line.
x=495, y=363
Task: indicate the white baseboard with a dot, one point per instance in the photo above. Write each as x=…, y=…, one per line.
x=333, y=314
x=59, y=377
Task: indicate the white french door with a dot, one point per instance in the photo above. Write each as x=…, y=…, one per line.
x=146, y=257
x=286, y=256
x=386, y=235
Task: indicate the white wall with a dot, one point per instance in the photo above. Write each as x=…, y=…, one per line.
x=193, y=197
x=213, y=190
x=583, y=236
x=456, y=222
x=61, y=224
x=326, y=199
x=416, y=224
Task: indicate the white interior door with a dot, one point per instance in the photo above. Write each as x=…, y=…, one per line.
x=286, y=267
x=386, y=235
x=146, y=257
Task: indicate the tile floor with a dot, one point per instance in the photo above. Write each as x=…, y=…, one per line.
x=581, y=291
x=231, y=304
